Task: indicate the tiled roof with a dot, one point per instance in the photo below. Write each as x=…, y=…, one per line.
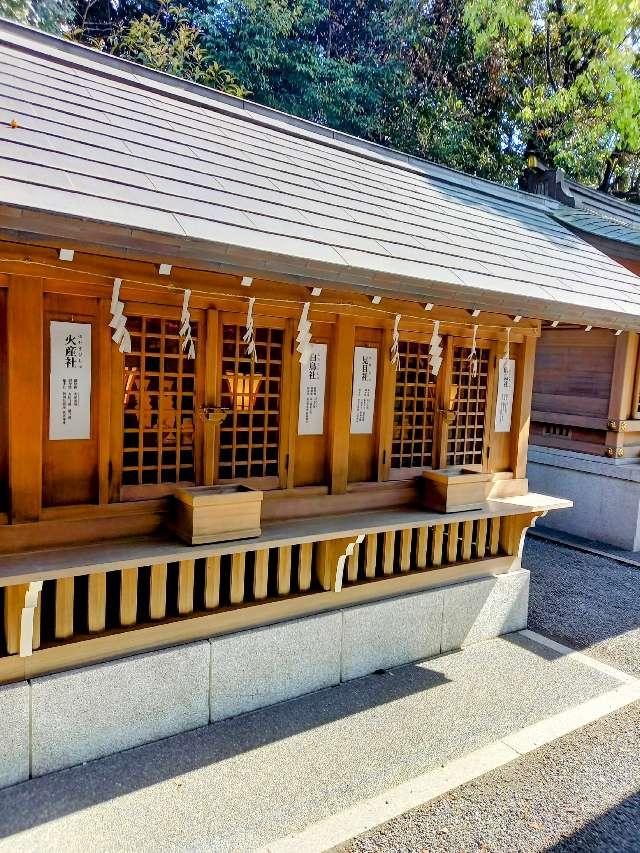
x=129, y=152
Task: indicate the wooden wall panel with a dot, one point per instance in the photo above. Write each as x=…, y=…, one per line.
x=573, y=371
x=70, y=469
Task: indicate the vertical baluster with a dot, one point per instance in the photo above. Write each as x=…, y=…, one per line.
x=186, y=579
x=481, y=537
x=352, y=564
x=388, y=552
x=158, y=591
x=467, y=539
x=284, y=570
x=236, y=594
x=97, y=602
x=261, y=574
x=305, y=561
x=212, y=582
x=128, y=596
x=13, y=604
x=452, y=542
x=405, y=550
x=437, y=541
x=494, y=535
x=64, y=608
x=421, y=547
x=371, y=555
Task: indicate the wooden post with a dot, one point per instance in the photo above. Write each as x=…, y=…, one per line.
x=186, y=576
x=340, y=404
x=386, y=398
x=521, y=412
x=104, y=399
x=304, y=566
x=261, y=574
x=623, y=387
x=128, y=596
x=371, y=555
x=25, y=380
x=97, y=602
x=64, y=608
x=158, y=591
x=236, y=593
x=284, y=570
x=211, y=428
x=212, y=582
x=14, y=597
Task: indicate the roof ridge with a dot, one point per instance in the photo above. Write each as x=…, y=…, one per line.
x=186, y=90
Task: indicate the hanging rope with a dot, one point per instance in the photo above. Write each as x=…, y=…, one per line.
x=395, y=354
x=248, y=336
x=473, y=355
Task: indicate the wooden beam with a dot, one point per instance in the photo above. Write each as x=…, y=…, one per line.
x=25, y=380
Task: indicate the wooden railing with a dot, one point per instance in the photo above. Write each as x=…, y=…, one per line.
x=78, y=607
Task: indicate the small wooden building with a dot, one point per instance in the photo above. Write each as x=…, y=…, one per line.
x=196, y=291
x=585, y=431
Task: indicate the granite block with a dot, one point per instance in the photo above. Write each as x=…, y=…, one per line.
x=259, y=667
x=14, y=733
x=97, y=710
x=484, y=609
x=389, y=633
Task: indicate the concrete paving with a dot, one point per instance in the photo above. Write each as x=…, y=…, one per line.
x=244, y=782
x=580, y=794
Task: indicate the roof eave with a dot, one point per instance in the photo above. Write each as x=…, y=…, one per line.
x=25, y=226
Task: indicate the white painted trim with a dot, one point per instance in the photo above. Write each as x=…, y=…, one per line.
x=365, y=816
x=582, y=658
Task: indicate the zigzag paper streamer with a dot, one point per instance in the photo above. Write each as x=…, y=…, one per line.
x=185, y=328
x=506, y=346
x=395, y=355
x=248, y=337
x=118, y=322
x=473, y=356
x=435, y=349
x=303, y=338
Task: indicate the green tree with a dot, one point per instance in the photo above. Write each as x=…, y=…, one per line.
x=569, y=75
x=50, y=15
x=167, y=41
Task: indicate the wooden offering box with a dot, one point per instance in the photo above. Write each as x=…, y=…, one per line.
x=455, y=489
x=217, y=513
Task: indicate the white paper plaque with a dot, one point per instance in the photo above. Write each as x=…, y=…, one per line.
x=70, y=381
x=363, y=399
x=504, y=403
x=312, y=384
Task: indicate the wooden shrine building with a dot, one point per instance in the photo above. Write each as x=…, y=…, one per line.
x=585, y=433
x=251, y=370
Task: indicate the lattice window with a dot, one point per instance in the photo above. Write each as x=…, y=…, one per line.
x=412, y=445
x=466, y=435
x=159, y=405
x=250, y=435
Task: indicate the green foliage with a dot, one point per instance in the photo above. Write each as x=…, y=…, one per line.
x=568, y=70
x=168, y=41
x=49, y=15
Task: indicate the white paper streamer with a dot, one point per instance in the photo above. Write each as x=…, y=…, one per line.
x=506, y=346
x=120, y=336
x=303, y=338
x=248, y=337
x=473, y=356
x=26, y=618
x=395, y=355
x=188, y=345
x=435, y=349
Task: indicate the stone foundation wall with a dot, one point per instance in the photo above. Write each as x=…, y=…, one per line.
x=605, y=495
x=63, y=719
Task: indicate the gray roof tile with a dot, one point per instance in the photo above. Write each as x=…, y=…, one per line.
x=104, y=140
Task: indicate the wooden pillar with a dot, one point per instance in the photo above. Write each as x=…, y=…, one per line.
x=340, y=404
x=25, y=359
x=623, y=390
x=211, y=429
x=521, y=412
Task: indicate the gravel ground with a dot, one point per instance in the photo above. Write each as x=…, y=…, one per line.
x=580, y=793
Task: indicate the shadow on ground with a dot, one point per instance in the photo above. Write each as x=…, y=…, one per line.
x=620, y=822
x=49, y=797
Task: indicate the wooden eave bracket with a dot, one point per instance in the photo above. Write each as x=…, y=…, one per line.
x=27, y=618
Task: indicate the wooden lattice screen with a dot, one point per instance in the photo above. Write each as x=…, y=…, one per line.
x=159, y=405
x=250, y=435
x=465, y=445
x=412, y=445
